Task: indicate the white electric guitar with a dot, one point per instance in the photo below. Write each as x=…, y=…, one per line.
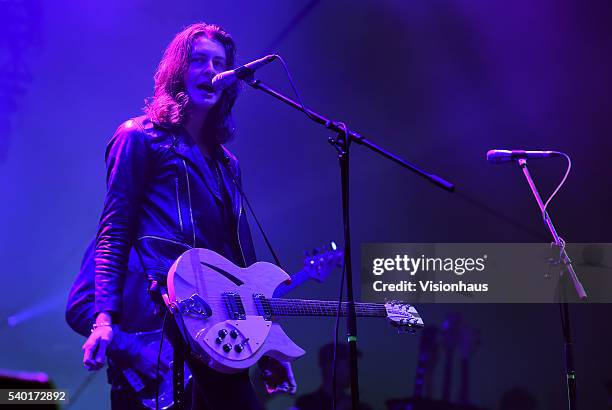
x=226, y=312
x=318, y=265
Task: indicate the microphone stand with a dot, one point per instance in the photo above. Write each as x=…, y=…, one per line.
x=570, y=371
x=342, y=143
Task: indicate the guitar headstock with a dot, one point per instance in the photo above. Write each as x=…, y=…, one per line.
x=322, y=261
x=403, y=316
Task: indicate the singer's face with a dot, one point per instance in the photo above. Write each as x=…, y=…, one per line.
x=207, y=60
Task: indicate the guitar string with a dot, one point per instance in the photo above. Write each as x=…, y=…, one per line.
x=315, y=307
x=307, y=303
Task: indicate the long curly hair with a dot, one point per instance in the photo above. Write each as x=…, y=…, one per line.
x=168, y=106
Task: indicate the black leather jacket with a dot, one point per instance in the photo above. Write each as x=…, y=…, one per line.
x=163, y=198
x=136, y=302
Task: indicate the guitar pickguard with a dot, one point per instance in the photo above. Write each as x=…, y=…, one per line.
x=236, y=340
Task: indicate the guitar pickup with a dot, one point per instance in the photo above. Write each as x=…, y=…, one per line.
x=235, y=308
x=263, y=306
x=194, y=305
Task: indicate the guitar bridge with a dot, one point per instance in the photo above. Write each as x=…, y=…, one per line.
x=194, y=305
x=235, y=308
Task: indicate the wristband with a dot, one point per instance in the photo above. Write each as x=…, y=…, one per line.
x=97, y=325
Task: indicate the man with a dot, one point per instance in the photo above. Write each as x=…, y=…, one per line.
x=171, y=186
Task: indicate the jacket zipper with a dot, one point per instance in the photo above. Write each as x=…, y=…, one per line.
x=178, y=204
x=190, y=210
x=239, y=213
x=238, y=235
x=163, y=239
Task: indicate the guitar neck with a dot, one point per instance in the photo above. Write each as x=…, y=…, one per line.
x=296, y=280
x=304, y=307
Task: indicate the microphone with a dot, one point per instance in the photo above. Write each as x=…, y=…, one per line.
x=227, y=78
x=499, y=156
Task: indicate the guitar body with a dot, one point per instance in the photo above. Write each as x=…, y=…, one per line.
x=216, y=302
x=316, y=266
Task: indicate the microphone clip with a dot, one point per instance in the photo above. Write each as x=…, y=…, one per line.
x=245, y=73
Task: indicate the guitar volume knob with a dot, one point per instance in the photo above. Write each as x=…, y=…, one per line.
x=227, y=348
x=222, y=333
x=240, y=346
x=233, y=333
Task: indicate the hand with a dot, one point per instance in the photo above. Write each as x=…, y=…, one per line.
x=277, y=376
x=157, y=290
x=94, y=349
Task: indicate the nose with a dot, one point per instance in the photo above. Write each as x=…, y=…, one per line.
x=209, y=69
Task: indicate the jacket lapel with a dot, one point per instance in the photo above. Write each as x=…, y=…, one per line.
x=189, y=150
x=232, y=190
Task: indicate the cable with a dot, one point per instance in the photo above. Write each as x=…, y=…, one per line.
x=569, y=167
x=294, y=88
x=246, y=200
x=81, y=388
x=340, y=296
x=161, y=345
x=336, y=328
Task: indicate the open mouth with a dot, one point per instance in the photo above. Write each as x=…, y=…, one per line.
x=206, y=87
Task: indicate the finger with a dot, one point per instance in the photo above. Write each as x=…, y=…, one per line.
x=280, y=388
x=100, y=356
x=285, y=387
x=290, y=377
x=269, y=389
x=91, y=364
x=291, y=380
x=292, y=388
x=88, y=349
x=89, y=344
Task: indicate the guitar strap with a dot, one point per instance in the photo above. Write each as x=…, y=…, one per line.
x=225, y=160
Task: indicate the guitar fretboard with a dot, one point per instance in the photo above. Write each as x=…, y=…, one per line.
x=302, y=307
